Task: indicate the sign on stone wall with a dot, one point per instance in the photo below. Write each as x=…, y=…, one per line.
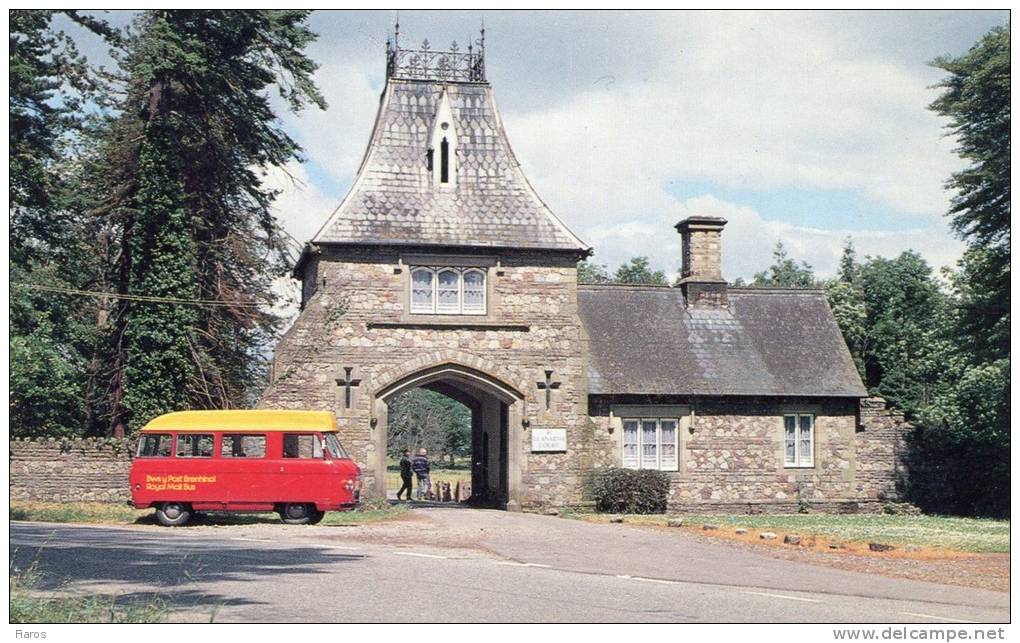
x=548, y=440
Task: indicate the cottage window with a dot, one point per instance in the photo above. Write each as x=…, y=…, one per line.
x=799, y=440
x=650, y=443
x=448, y=291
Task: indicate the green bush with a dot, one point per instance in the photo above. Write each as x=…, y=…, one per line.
x=629, y=491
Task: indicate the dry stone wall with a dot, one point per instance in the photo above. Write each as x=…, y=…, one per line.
x=70, y=470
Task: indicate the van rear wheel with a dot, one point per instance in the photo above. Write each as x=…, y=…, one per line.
x=173, y=514
x=300, y=514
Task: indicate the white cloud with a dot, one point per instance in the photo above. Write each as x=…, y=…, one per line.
x=301, y=208
x=752, y=102
x=336, y=138
x=808, y=101
x=749, y=240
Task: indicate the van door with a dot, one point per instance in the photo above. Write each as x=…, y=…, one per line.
x=306, y=473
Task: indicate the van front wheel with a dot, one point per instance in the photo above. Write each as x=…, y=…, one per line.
x=173, y=514
x=300, y=514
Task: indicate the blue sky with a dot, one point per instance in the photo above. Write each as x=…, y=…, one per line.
x=800, y=127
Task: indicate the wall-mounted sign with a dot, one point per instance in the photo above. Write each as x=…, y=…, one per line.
x=548, y=440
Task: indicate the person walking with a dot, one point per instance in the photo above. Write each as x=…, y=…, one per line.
x=405, y=474
x=420, y=466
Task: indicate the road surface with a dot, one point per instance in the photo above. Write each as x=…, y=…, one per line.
x=517, y=568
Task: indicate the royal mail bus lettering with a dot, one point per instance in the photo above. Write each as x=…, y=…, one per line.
x=290, y=462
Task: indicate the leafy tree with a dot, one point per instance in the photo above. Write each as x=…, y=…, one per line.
x=592, y=273
x=966, y=436
x=847, y=303
x=191, y=216
x=637, y=271
x=975, y=99
x=424, y=418
x=785, y=272
x=904, y=309
x=52, y=336
x=48, y=83
x=849, y=268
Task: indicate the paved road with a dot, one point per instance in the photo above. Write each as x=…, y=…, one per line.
x=573, y=572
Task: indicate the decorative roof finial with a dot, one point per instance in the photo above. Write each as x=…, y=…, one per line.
x=425, y=63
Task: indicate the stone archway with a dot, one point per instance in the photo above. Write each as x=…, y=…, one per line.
x=497, y=407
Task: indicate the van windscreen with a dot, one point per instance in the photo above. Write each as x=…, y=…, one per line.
x=334, y=446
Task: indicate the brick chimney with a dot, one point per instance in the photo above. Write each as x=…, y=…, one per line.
x=701, y=274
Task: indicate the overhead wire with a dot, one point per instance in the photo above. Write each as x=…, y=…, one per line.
x=131, y=297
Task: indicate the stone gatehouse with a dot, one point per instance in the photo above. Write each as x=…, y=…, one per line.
x=442, y=268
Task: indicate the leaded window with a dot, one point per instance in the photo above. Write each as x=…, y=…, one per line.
x=448, y=290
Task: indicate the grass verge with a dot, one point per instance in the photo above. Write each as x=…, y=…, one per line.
x=975, y=535
x=108, y=513
x=29, y=605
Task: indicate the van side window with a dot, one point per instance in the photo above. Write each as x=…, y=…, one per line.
x=194, y=445
x=301, y=446
x=154, y=445
x=243, y=446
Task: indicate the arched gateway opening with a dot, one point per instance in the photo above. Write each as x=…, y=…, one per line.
x=496, y=412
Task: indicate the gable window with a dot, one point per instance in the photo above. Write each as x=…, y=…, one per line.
x=444, y=161
x=448, y=291
x=650, y=443
x=799, y=440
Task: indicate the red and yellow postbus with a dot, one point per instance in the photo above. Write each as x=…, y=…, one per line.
x=290, y=462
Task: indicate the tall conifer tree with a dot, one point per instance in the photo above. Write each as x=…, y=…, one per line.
x=194, y=219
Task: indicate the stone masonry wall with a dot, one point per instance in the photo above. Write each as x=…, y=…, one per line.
x=732, y=460
x=882, y=452
x=65, y=470
x=358, y=317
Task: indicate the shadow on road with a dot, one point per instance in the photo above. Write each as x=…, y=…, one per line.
x=119, y=558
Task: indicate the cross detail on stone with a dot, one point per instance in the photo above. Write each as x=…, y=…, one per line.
x=347, y=382
x=548, y=385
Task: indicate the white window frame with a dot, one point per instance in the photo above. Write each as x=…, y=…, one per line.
x=800, y=459
x=640, y=459
x=460, y=309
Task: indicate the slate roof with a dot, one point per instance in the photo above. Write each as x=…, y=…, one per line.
x=644, y=340
x=393, y=200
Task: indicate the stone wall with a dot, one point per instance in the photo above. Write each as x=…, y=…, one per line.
x=882, y=452
x=70, y=470
x=732, y=455
x=358, y=317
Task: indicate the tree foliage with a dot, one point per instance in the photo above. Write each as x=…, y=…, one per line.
x=638, y=271
x=52, y=336
x=785, y=272
x=190, y=214
x=592, y=273
x=148, y=182
x=423, y=418
x=967, y=436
